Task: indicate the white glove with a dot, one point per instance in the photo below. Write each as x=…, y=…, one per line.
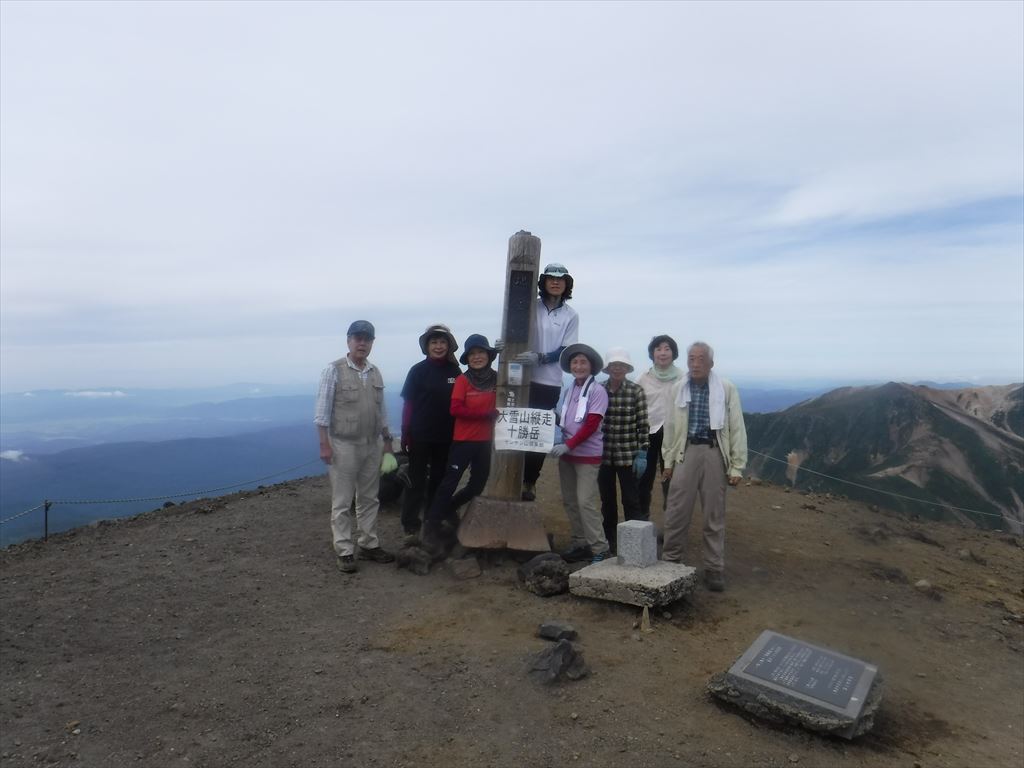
x=527, y=358
x=499, y=345
x=559, y=450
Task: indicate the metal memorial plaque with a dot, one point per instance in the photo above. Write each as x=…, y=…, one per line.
x=810, y=673
x=522, y=286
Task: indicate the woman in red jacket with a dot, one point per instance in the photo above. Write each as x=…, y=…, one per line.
x=473, y=399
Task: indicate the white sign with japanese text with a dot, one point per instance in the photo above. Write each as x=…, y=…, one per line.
x=524, y=429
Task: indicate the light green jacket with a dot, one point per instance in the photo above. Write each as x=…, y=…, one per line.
x=732, y=437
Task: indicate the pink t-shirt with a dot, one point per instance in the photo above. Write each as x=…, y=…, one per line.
x=597, y=402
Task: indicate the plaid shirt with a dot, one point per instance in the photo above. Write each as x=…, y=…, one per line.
x=625, y=425
x=700, y=415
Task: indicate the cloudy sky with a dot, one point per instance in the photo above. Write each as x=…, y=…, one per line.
x=204, y=193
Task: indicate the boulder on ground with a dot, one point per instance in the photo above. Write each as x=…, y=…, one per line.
x=561, y=661
x=545, y=575
x=416, y=559
x=464, y=567
x=553, y=629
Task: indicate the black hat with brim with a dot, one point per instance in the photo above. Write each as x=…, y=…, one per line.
x=478, y=341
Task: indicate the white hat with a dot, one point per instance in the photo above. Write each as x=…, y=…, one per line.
x=618, y=355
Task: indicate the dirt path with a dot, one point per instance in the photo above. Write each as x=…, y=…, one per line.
x=219, y=633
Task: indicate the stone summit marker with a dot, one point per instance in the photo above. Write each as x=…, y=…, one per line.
x=636, y=576
x=786, y=680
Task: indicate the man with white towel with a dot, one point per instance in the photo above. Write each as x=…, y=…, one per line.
x=706, y=437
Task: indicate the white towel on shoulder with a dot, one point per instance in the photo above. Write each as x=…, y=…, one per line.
x=716, y=399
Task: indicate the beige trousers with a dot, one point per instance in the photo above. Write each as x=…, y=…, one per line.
x=700, y=475
x=579, y=496
x=355, y=474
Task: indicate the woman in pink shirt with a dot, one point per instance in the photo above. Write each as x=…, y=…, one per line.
x=583, y=406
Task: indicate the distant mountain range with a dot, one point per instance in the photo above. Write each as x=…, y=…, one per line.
x=132, y=470
x=951, y=447
x=959, y=447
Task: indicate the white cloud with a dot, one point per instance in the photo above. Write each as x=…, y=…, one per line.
x=12, y=455
x=92, y=393
x=302, y=166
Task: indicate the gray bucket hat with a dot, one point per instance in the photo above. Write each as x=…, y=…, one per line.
x=596, y=364
x=439, y=329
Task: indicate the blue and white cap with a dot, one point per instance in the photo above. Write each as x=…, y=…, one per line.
x=555, y=270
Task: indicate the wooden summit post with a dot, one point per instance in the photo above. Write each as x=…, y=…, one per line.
x=517, y=319
x=499, y=518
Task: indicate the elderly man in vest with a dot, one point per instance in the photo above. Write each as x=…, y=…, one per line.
x=352, y=422
x=705, y=448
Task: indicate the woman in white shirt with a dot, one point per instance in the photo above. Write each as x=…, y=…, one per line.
x=657, y=383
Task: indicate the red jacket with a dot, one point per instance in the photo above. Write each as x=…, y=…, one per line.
x=473, y=411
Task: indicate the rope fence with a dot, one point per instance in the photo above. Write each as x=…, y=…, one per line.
x=48, y=503
x=879, y=490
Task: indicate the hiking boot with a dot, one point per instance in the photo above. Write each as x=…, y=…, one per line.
x=529, y=492
x=597, y=558
x=347, y=564
x=433, y=540
x=377, y=554
x=577, y=554
x=714, y=581
x=411, y=540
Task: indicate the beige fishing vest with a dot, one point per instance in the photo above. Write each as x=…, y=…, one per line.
x=356, y=412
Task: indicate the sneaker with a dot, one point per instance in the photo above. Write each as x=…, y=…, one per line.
x=377, y=554
x=577, y=554
x=529, y=492
x=714, y=581
x=597, y=558
x=347, y=564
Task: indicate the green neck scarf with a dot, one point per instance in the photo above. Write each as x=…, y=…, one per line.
x=672, y=372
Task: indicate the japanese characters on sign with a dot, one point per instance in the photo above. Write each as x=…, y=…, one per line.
x=524, y=429
x=806, y=669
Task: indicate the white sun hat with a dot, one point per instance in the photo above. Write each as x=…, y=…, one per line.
x=618, y=355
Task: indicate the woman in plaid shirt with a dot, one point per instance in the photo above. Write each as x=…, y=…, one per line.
x=626, y=440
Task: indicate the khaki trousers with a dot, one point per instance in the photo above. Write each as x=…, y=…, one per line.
x=579, y=496
x=355, y=474
x=700, y=475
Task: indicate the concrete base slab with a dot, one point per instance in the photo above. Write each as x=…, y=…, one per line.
x=499, y=524
x=658, y=584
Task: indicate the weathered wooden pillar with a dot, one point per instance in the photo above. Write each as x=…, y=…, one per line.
x=499, y=518
x=517, y=321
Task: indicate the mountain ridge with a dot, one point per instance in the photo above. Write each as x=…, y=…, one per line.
x=952, y=448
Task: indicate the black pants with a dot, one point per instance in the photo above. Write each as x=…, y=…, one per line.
x=655, y=466
x=423, y=455
x=474, y=455
x=606, y=477
x=543, y=396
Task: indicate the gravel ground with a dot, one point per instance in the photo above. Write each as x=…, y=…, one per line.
x=219, y=633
